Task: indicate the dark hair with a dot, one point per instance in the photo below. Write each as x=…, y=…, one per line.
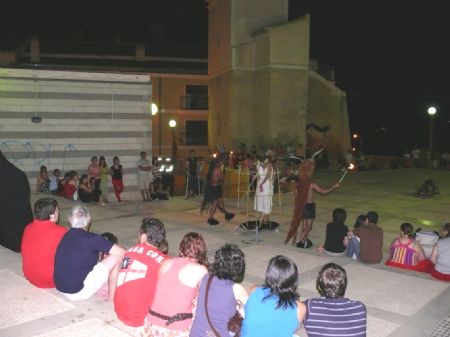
x=56, y=171
x=83, y=176
x=110, y=237
x=193, y=246
x=142, y=153
x=154, y=229
x=332, y=281
x=102, y=158
x=45, y=207
x=339, y=216
x=164, y=247
x=229, y=263
x=360, y=220
x=447, y=228
x=407, y=229
x=115, y=158
x=43, y=167
x=372, y=217
x=282, y=281
x=93, y=157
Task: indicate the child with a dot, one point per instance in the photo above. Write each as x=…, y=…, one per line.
x=55, y=186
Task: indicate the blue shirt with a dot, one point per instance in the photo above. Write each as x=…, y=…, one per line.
x=76, y=256
x=264, y=319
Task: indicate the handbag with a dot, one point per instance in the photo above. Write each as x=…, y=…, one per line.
x=235, y=322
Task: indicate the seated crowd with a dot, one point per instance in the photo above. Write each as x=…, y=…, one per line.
x=187, y=295
x=177, y=296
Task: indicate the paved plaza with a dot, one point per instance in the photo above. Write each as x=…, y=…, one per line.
x=399, y=303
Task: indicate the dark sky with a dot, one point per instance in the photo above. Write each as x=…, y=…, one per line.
x=391, y=57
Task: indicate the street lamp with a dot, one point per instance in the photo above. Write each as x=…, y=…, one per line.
x=358, y=137
x=173, y=124
x=431, y=111
x=154, y=109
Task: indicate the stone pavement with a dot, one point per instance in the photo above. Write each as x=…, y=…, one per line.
x=399, y=303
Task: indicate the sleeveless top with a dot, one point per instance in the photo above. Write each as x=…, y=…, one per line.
x=264, y=319
x=221, y=307
x=116, y=172
x=173, y=297
x=403, y=253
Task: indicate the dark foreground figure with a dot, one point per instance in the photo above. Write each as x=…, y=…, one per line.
x=15, y=208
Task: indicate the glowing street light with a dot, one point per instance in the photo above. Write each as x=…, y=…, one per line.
x=431, y=112
x=172, y=123
x=154, y=109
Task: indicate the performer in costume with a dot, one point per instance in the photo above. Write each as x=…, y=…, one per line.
x=213, y=193
x=264, y=189
x=305, y=208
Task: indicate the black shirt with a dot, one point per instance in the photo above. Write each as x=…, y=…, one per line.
x=334, y=236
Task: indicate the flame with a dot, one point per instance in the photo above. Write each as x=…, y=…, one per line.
x=351, y=166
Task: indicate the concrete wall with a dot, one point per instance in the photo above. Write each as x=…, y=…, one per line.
x=83, y=114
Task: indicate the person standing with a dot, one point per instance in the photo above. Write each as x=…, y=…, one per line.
x=94, y=172
x=145, y=176
x=305, y=208
x=213, y=193
x=40, y=240
x=264, y=189
x=117, y=177
x=191, y=175
x=15, y=207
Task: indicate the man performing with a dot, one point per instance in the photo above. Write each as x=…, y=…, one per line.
x=305, y=208
x=264, y=190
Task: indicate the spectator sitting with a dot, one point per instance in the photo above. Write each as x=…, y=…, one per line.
x=85, y=192
x=164, y=247
x=368, y=249
x=110, y=237
x=55, y=185
x=224, y=293
x=441, y=256
x=42, y=181
x=138, y=275
x=406, y=253
x=39, y=242
x=172, y=308
x=360, y=220
x=332, y=314
x=78, y=274
x=275, y=309
x=71, y=185
x=336, y=232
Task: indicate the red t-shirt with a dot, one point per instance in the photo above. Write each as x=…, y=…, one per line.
x=39, y=242
x=136, y=283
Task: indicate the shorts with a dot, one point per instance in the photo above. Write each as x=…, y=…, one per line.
x=309, y=211
x=96, y=278
x=145, y=180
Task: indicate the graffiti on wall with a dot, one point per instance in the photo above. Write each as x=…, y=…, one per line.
x=21, y=152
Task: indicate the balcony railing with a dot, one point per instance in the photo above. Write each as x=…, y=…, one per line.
x=194, y=102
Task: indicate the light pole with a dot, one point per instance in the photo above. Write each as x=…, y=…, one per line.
x=431, y=111
x=173, y=124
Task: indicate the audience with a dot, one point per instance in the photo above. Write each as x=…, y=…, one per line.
x=366, y=242
x=332, y=314
x=335, y=234
x=43, y=181
x=407, y=253
x=104, y=174
x=274, y=309
x=78, y=274
x=55, y=185
x=71, y=185
x=441, y=256
x=117, y=177
x=220, y=293
x=137, y=279
x=171, y=311
x=39, y=242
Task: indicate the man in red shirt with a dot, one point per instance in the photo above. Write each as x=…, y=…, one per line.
x=137, y=278
x=40, y=240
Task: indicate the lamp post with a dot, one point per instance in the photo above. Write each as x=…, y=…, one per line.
x=358, y=137
x=431, y=112
x=172, y=125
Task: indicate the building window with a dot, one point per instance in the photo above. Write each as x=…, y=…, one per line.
x=196, y=97
x=196, y=133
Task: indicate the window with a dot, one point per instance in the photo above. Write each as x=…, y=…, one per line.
x=196, y=97
x=196, y=133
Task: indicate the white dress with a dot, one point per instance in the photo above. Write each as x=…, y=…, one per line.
x=263, y=199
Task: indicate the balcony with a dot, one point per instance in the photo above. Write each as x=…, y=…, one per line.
x=194, y=102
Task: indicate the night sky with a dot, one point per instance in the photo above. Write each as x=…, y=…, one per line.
x=392, y=58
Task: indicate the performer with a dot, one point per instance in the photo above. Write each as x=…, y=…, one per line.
x=305, y=208
x=213, y=193
x=264, y=189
